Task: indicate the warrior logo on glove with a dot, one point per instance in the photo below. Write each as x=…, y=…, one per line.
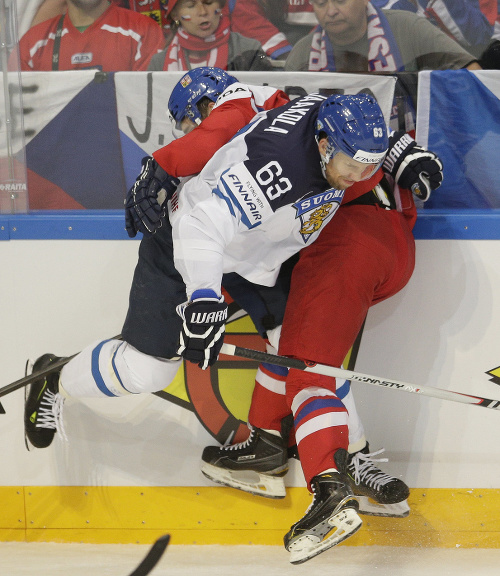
x=203, y=328
x=413, y=167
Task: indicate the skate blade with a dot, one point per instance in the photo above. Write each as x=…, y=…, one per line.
x=344, y=524
x=370, y=507
x=249, y=481
x=28, y=370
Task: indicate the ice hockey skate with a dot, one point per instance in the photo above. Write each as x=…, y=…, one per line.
x=330, y=519
x=378, y=493
x=256, y=465
x=43, y=407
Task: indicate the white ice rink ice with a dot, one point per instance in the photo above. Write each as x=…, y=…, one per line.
x=48, y=559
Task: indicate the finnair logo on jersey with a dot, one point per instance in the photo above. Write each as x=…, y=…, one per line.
x=246, y=192
x=246, y=195
x=82, y=58
x=313, y=211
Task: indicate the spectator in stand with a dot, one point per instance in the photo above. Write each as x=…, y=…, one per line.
x=42, y=10
x=91, y=34
x=260, y=19
x=356, y=36
x=32, y=12
x=470, y=23
x=298, y=18
x=203, y=37
x=490, y=58
x=293, y=18
x=155, y=9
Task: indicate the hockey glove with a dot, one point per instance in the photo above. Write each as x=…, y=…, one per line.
x=413, y=167
x=146, y=201
x=203, y=328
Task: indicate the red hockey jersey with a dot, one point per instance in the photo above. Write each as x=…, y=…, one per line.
x=119, y=39
x=234, y=109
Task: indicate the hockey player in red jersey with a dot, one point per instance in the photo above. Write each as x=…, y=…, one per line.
x=380, y=494
x=352, y=138
x=371, y=220
x=222, y=117
x=92, y=34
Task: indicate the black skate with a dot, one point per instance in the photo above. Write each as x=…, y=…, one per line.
x=256, y=466
x=378, y=494
x=330, y=519
x=43, y=407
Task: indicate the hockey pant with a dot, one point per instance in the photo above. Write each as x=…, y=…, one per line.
x=363, y=256
x=115, y=368
x=146, y=361
x=269, y=407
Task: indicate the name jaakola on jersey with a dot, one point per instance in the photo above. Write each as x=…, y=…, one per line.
x=294, y=113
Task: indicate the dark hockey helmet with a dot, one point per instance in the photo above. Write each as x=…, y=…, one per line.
x=202, y=82
x=354, y=125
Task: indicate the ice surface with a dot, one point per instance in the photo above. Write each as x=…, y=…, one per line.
x=48, y=559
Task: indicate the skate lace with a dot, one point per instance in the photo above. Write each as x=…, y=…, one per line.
x=50, y=413
x=365, y=470
x=240, y=445
x=314, y=499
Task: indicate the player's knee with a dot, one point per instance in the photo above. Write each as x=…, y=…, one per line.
x=298, y=380
x=144, y=373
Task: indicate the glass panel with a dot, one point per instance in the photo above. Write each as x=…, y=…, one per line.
x=13, y=179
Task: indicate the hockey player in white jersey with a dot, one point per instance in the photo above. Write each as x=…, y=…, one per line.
x=197, y=101
x=262, y=199
x=256, y=199
x=265, y=205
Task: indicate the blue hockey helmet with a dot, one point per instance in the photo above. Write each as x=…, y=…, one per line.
x=202, y=82
x=354, y=125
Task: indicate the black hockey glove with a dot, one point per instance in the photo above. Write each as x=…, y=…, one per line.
x=413, y=167
x=146, y=201
x=203, y=328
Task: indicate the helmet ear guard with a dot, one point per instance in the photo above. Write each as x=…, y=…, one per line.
x=202, y=82
x=355, y=126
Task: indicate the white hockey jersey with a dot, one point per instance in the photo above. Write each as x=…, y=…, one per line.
x=260, y=199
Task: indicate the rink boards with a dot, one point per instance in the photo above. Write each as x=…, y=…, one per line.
x=131, y=468
x=205, y=515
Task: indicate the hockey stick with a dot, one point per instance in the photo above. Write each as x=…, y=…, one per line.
x=40, y=373
x=232, y=350
x=53, y=367
x=152, y=557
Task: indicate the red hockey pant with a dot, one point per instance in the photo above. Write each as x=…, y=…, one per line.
x=363, y=256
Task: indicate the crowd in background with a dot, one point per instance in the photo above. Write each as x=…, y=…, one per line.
x=321, y=35
x=395, y=37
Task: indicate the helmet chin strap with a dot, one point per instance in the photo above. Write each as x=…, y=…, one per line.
x=324, y=161
x=326, y=157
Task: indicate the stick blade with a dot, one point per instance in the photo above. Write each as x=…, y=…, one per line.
x=152, y=557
